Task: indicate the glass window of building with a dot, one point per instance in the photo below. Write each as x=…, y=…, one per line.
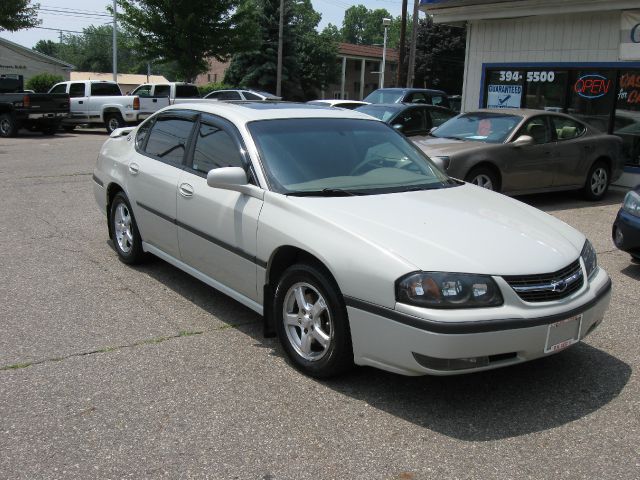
x=592, y=96
x=546, y=89
x=627, y=116
x=504, y=88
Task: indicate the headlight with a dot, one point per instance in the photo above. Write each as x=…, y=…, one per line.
x=442, y=162
x=631, y=204
x=448, y=290
x=589, y=258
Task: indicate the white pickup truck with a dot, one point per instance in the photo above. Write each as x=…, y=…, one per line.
x=154, y=96
x=99, y=102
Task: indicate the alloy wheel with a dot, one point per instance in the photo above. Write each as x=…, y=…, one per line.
x=483, y=181
x=599, y=180
x=123, y=228
x=307, y=321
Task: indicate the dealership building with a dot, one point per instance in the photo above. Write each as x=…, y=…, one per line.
x=580, y=57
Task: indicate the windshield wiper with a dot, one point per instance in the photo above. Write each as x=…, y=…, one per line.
x=325, y=192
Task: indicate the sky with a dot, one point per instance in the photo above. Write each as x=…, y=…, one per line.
x=55, y=15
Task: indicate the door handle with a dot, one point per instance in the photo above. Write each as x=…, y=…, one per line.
x=81, y=102
x=155, y=100
x=134, y=168
x=186, y=190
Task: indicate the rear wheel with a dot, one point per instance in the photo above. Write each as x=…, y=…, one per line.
x=8, y=125
x=124, y=230
x=597, y=184
x=483, y=177
x=113, y=121
x=311, y=321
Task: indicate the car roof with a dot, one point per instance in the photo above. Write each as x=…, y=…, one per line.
x=523, y=112
x=417, y=90
x=247, y=111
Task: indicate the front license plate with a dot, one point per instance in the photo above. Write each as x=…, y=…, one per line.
x=563, y=333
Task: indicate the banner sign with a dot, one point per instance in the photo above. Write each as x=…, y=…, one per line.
x=504, y=96
x=630, y=35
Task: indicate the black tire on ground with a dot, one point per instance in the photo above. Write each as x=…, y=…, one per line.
x=124, y=230
x=113, y=121
x=50, y=129
x=8, y=125
x=68, y=128
x=483, y=177
x=323, y=317
x=597, y=182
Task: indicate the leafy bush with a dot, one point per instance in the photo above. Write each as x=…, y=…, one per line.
x=212, y=87
x=42, y=82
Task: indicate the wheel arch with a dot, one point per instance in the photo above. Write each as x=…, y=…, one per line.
x=112, y=190
x=488, y=164
x=282, y=258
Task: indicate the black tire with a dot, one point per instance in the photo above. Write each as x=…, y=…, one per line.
x=597, y=183
x=128, y=247
x=483, y=177
x=8, y=125
x=113, y=121
x=332, y=322
x=68, y=128
x=50, y=129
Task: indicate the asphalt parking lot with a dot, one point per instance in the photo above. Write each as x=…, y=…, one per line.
x=108, y=371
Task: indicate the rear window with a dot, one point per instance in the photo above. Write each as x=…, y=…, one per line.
x=105, y=90
x=187, y=91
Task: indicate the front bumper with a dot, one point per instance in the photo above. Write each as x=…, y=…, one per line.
x=399, y=342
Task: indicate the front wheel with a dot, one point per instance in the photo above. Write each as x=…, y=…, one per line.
x=597, y=184
x=124, y=230
x=483, y=177
x=312, y=323
x=113, y=121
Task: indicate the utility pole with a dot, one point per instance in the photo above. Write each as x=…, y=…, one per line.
x=279, y=68
x=115, y=43
x=60, y=37
x=412, y=52
x=403, y=34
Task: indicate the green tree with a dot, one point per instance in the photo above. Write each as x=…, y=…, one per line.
x=47, y=47
x=42, y=82
x=185, y=31
x=309, y=58
x=440, y=51
x=18, y=14
x=363, y=26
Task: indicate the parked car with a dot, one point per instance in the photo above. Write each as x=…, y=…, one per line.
x=241, y=94
x=518, y=151
x=626, y=228
x=33, y=111
x=349, y=241
x=98, y=102
x=409, y=118
x=348, y=104
x=408, y=95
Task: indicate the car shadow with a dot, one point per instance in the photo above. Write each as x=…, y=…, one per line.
x=29, y=134
x=484, y=406
x=632, y=271
x=558, y=201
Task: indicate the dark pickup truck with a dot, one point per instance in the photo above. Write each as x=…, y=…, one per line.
x=33, y=111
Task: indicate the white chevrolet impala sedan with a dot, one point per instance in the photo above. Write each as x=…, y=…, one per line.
x=349, y=242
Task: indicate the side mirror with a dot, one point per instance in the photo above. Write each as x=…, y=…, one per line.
x=433, y=129
x=233, y=178
x=398, y=127
x=523, y=141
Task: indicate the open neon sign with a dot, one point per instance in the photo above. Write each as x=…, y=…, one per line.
x=592, y=86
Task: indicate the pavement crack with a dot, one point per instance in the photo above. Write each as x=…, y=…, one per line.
x=115, y=348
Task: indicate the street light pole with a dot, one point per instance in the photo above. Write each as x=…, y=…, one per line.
x=386, y=22
x=279, y=67
x=115, y=44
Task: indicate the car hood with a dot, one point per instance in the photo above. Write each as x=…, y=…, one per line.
x=459, y=229
x=446, y=146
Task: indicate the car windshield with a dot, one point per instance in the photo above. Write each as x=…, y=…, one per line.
x=384, y=96
x=479, y=127
x=338, y=156
x=384, y=113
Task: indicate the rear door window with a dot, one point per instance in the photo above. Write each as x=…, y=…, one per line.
x=105, y=90
x=169, y=137
x=162, y=91
x=76, y=90
x=187, y=91
x=566, y=129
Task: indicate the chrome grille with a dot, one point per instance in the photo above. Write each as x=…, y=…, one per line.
x=547, y=287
